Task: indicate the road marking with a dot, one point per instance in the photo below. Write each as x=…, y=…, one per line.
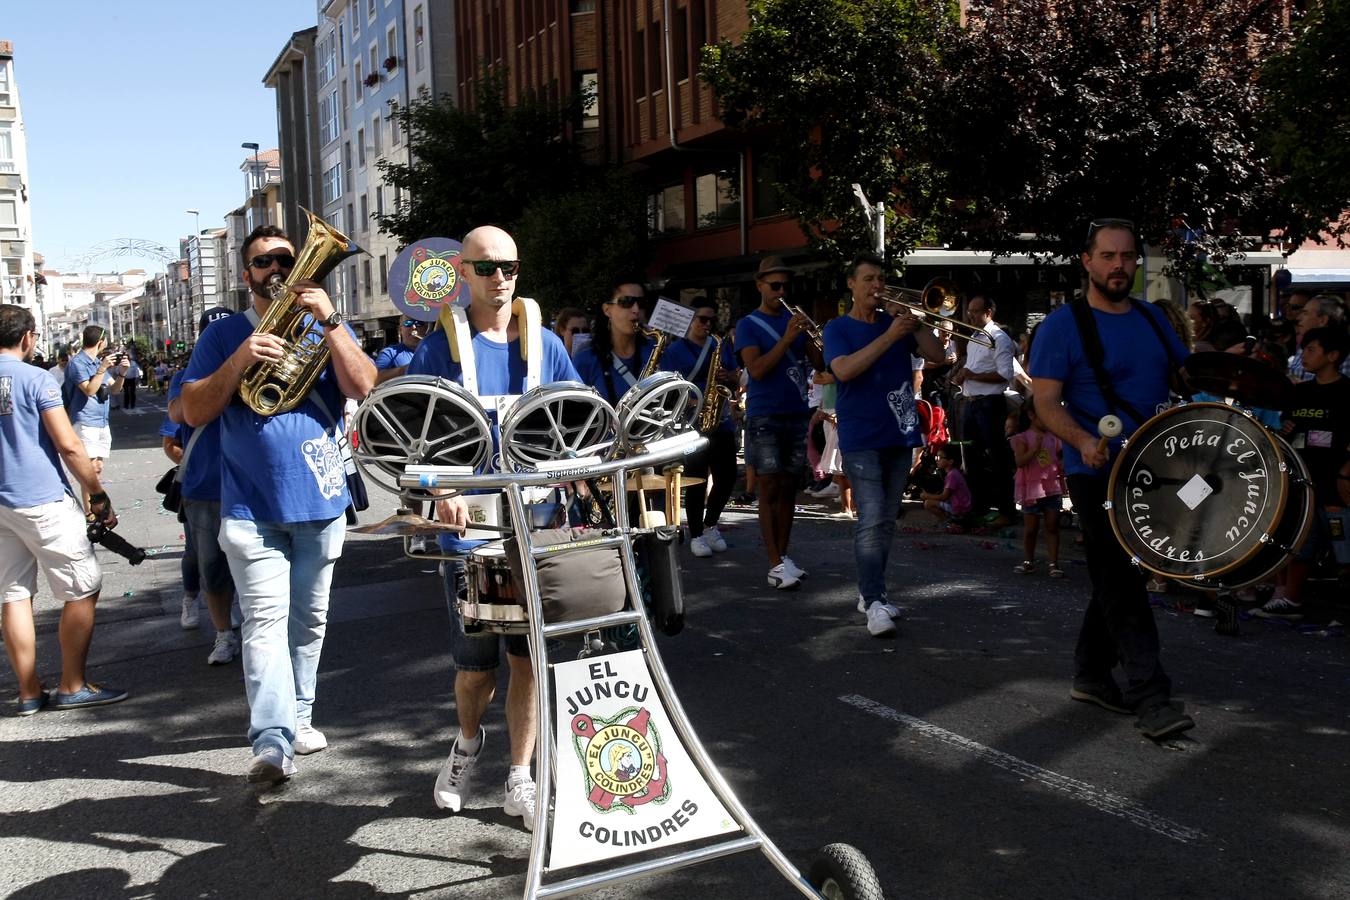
x=1097, y=798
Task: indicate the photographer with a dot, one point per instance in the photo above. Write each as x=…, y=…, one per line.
x=88, y=387
x=41, y=526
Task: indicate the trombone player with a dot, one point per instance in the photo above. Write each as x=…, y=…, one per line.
x=871, y=356
x=283, y=492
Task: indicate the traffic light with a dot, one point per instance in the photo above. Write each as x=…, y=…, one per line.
x=180, y=347
x=167, y=343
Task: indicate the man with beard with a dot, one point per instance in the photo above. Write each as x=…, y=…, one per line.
x=42, y=526
x=283, y=492
x=1139, y=352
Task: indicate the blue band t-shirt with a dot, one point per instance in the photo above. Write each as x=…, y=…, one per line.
x=30, y=470
x=877, y=408
x=282, y=468
x=682, y=355
x=592, y=372
x=201, y=478
x=1135, y=361
x=85, y=410
x=783, y=390
x=394, y=356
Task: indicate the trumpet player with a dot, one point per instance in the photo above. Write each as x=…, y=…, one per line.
x=773, y=347
x=872, y=358
x=283, y=493
x=706, y=361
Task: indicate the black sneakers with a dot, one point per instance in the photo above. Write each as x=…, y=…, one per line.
x=1107, y=696
x=1163, y=720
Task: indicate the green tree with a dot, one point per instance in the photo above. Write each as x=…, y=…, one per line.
x=1058, y=111
x=837, y=92
x=1307, y=120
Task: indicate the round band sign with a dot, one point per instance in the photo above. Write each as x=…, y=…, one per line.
x=423, y=278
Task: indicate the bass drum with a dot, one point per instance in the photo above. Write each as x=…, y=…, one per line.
x=1203, y=493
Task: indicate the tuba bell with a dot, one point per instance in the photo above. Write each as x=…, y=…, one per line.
x=275, y=387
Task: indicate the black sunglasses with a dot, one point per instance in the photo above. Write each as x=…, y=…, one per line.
x=484, y=268
x=625, y=302
x=706, y=320
x=776, y=285
x=410, y=323
x=265, y=260
x=580, y=329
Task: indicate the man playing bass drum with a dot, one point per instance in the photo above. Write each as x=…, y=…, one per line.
x=1073, y=390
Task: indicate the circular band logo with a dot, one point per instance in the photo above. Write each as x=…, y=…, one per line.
x=620, y=760
x=423, y=279
x=432, y=277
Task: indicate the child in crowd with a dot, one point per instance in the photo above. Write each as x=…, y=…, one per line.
x=953, y=501
x=1039, y=488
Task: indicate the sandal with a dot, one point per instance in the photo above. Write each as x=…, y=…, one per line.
x=1056, y=571
x=1026, y=568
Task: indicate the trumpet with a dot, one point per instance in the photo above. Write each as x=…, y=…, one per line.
x=935, y=303
x=812, y=329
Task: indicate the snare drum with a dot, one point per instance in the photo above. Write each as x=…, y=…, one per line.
x=489, y=602
x=1205, y=494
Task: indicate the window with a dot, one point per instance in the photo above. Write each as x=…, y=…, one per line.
x=347, y=158
x=370, y=10
x=344, y=106
x=391, y=43
x=356, y=21
x=6, y=142
x=768, y=199
x=654, y=77
x=365, y=213
x=374, y=52
x=342, y=44
x=715, y=200
x=419, y=38
x=679, y=44
x=327, y=60
x=332, y=183
x=361, y=148
x=328, y=117
x=665, y=211
x=9, y=212
x=588, y=88
x=640, y=65
x=379, y=200
x=360, y=87
x=384, y=274
x=351, y=220
x=395, y=138
x=365, y=274
x=377, y=132
x=583, y=6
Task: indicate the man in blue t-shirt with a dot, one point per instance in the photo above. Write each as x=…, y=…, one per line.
x=1118, y=627
x=91, y=379
x=391, y=362
x=283, y=492
x=872, y=359
x=42, y=526
x=488, y=265
x=773, y=348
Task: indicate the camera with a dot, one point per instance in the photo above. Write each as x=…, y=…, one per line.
x=100, y=533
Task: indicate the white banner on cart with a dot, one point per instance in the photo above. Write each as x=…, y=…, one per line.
x=626, y=783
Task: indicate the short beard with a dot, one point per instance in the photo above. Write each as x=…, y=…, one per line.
x=1115, y=296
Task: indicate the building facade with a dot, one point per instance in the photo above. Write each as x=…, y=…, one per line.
x=18, y=277
x=294, y=77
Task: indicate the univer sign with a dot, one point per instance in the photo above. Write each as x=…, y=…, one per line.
x=627, y=784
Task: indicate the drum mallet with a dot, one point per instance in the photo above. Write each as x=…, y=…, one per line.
x=1108, y=427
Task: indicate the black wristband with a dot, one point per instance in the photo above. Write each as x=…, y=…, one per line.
x=101, y=497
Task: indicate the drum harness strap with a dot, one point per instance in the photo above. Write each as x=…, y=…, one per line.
x=1096, y=353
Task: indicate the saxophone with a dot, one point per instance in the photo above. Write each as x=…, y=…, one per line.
x=653, y=361
x=715, y=396
x=269, y=388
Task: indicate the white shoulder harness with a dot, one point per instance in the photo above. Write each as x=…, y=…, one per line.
x=460, y=338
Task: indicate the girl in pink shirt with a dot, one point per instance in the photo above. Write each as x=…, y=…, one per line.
x=1039, y=489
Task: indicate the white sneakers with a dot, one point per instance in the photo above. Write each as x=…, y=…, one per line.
x=828, y=492
x=309, y=739
x=520, y=800
x=270, y=766
x=781, y=578
x=187, y=617
x=793, y=569
x=891, y=609
x=879, y=622
x=225, y=650
x=453, y=782
x=708, y=543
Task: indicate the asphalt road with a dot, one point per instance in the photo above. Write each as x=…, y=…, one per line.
x=950, y=755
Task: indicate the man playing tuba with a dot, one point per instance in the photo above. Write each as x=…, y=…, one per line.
x=283, y=493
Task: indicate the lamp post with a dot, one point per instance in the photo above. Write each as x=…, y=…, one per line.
x=257, y=182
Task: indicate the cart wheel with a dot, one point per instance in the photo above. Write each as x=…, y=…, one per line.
x=841, y=872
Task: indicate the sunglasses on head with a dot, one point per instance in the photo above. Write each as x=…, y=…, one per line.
x=776, y=285
x=624, y=302
x=1097, y=225
x=265, y=260
x=484, y=268
x=410, y=323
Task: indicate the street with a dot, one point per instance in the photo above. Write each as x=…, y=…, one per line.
x=950, y=755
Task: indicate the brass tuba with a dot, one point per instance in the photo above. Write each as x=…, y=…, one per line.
x=715, y=396
x=276, y=387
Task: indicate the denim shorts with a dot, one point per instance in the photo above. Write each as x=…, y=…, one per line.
x=203, y=517
x=476, y=652
x=776, y=444
x=1053, y=503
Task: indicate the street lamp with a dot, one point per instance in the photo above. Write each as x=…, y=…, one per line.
x=196, y=220
x=196, y=236
x=257, y=183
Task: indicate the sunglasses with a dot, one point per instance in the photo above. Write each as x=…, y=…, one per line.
x=410, y=323
x=624, y=302
x=580, y=329
x=776, y=285
x=1097, y=225
x=484, y=268
x=265, y=260
x=1296, y=308
x=706, y=320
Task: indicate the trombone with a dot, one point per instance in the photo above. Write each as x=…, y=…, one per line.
x=935, y=303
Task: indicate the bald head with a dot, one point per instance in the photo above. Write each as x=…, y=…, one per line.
x=482, y=246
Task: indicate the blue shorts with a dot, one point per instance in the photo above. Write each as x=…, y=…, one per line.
x=776, y=445
x=1054, y=503
x=477, y=652
x=203, y=517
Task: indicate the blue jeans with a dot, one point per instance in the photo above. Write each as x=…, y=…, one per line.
x=878, y=478
x=282, y=571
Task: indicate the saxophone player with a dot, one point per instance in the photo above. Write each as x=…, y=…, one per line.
x=707, y=361
x=283, y=494
x=618, y=352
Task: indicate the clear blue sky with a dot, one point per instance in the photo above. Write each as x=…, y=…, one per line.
x=135, y=110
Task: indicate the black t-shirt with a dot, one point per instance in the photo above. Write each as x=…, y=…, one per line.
x=1321, y=416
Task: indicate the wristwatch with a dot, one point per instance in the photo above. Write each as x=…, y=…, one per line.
x=333, y=320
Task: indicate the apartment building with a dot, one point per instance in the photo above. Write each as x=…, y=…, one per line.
x=18, y=277
x=294, y=77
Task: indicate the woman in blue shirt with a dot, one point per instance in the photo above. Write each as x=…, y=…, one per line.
x=613, y=362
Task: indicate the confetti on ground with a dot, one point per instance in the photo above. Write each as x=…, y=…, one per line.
x=128, y=593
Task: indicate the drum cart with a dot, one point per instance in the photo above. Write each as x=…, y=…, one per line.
x=635, y=782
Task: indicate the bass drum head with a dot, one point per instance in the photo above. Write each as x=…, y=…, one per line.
x=418, y=420
x=1198, y=491
x=563, y=420
x=659, y=406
